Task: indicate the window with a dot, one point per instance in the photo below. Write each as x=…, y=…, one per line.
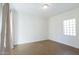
x=70, y=27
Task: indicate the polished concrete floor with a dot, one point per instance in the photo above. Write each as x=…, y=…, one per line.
x=46, y=47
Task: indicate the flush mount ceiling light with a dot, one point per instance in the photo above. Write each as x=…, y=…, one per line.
x=45, y=6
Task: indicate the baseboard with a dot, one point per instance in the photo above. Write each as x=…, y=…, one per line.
x=64, y=44
x=31, y=42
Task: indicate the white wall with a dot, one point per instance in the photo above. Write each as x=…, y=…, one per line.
x=29, y=28
x=56, y=28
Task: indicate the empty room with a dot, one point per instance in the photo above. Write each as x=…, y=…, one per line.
x=39, y=28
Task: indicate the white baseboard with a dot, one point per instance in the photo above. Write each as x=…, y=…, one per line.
x=30, y=41
x=65, y=43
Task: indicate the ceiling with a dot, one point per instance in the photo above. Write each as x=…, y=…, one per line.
x=36, y=8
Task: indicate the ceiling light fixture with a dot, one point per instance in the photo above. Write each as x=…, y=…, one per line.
x=45, y=6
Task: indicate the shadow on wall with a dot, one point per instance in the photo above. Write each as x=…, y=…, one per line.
x=0, y=19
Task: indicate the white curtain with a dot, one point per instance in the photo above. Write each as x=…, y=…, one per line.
x=5, y=45
x=11, y=28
